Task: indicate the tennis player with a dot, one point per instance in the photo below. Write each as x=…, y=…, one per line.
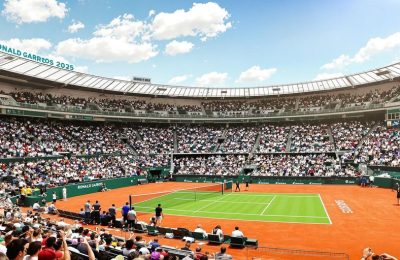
x=237, y=186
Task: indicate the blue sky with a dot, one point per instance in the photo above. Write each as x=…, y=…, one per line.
x=228, y=43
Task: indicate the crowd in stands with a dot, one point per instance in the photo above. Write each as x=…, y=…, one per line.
x=198, y=139
x=120, y=150
x=273, y=139
x=226, y=106
x=380, y=147
x=296, y=165
x=311, y=138
x=239, y=140
x=32, y=235
x=274, y=104
x=34, y=138
x=282, y=103
x=57, y=172
x=105, y=104
x=347, y=135
x=210, y=165
x=151, y=140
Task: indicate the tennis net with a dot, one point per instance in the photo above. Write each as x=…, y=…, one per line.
x=176, y=197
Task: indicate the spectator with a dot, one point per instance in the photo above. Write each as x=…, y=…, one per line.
x=200, y=229
x=237, y=232
x=369, y=254
x=187, y=246
x=129, y=247
x=16, y=249
x=48, y=252
x=88, y=210
x=125, y=210
x=36, y=206
x=218, y=231
x=222, y=255
x=198, y=254
x=131, y=218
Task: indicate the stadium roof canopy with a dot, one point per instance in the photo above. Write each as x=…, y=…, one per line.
x=32, y=69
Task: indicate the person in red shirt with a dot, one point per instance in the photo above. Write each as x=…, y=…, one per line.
x=48, y=252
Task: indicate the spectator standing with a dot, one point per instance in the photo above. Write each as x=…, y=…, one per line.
x=398, y=195
x=113, y=212
x=159, y=214
x=131, y=218
x=88, y=209
x=125, y=210
x=96, y=212
x=64, y=192
x=54, y=197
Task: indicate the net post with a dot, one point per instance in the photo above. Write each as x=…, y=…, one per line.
x=130, y=201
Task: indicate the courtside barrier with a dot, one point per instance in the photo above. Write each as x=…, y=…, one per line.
x=83, y=188
x=288, y=253
x=269, y=179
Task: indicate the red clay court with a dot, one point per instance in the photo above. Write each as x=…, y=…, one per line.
x=361, y=217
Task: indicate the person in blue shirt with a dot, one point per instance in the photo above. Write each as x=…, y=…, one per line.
x=154, y=244
x=125, y=210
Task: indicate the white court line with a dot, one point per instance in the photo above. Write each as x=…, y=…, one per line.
x=266, y=207
x=272, y=194
x=326, y=212
x=221, y=201
x=236, y=213
x=215, y=201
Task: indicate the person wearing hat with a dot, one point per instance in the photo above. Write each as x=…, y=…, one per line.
x=48, y=252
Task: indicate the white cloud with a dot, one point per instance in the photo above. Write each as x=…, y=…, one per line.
x=255, y=74
x=203, y=20
x=120, y=40
x=75, y=26
x=339, y=62
x=373, y=47
x=323, y=76
x=30, y=11
x=122, y=27
x=152, y=12
x=179, y=79
x=34, y=45
x=212, y=79
x=107, y=50
x=173, y=48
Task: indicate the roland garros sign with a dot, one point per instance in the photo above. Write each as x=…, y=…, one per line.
x=37, y=58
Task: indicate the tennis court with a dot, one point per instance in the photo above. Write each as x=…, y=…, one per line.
x=210, y=202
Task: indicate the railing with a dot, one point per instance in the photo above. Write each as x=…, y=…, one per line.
x=158, y=115
x=288, y=253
